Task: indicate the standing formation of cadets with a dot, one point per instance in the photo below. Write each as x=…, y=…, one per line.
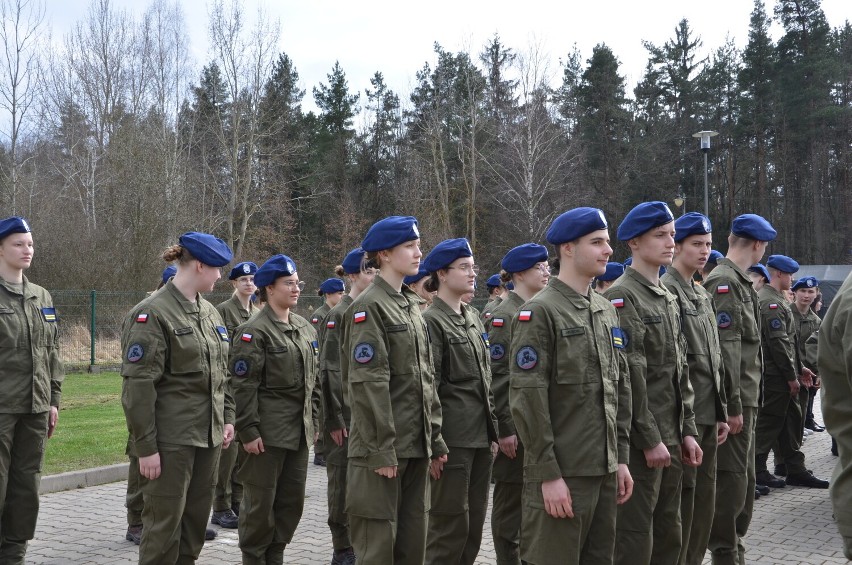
x=625, y=412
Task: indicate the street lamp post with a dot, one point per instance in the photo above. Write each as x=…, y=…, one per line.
x=705, y=136
x=680, y=201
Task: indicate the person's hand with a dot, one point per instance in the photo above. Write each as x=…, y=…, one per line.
x=494, y=449
x=658, y=456
x=690, y=452
x=389, y=472
x=817, y=382
x=509, y=446
x=255, y=446
x=436, y=466
x=228, y=436
x=52, y=420
x=794, y=387
x=338, y=436
x=735, y=423
x=807, y=377
x=316, y=436
x=722, y=430
x=625, y=484
x=557, y=498
x=149, y=466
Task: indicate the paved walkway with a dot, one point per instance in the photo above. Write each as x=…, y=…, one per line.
x=86, y=526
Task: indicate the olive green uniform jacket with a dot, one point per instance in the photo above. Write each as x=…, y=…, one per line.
x=274, y=371
x=835, y=370
x=656, y=354
x=570, y=390
x=489, y=307
x=779, y=344
x=386, y=362
x=318, y=316
x=175, y=371
x=233, y=314
x=337, y=413
x=29, y=350
x=805, y=327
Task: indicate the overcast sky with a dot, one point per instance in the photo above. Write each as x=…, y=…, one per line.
x=397, y=37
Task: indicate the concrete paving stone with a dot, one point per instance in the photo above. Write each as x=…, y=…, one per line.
x=86, y=526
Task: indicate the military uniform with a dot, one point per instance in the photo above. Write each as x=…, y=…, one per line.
x=738, y=322
x=835, y=367
x=317, y=320
x=274, y=369
x=30, y=385
x=570, y=401
x=704, y=355
x=386, y=364
x=176, y=403
x=508, y=473
x=649, y=527
x=805, y=326
x=489, y=308
x=337, y=417
x=229, y=491
x=463, y=379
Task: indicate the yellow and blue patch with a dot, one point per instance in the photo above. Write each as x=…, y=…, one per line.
x=619, y=338
x=49, y=314
x=223, y=333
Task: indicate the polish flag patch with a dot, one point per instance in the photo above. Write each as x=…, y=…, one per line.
x=246, y=337
x=773, y=307
x=497, y=322
x=618, y=302
x=524, y=315
x=360, y=317
x=329, y=324
x=142, y=318
x=722, y=289
x=314, y=320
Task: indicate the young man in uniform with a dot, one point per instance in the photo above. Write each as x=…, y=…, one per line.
x=693, y=239
x=663, y=433
x=780, y=419
x=738, y=321
x=570, y=401
x=835, y=368
x=806, y=291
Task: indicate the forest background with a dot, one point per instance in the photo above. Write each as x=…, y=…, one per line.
x=113, y=143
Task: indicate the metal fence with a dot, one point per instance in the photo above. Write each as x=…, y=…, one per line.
x=90, y=322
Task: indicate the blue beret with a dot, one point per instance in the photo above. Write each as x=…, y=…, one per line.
x=663, y=270
x=523, y=257
x=168, y=273
x=782, y=263
x=353, y=261
x=14, y=224
x=806, y=282
x=390, y=232
x=242, y=269
x=613, y=271
x=275, y=267
x=207, y=248
x=574, y=224
x=628, y=262
x=752, y=226
x=445, y=253
x=692, y=223
x=761, y=270
x=715, y=256
x=644, y=217
x=510, y=285
x=494, y=281
x=411, y=279
x=330, y=286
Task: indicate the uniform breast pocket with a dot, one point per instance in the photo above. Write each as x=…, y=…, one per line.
x=400, y=348
x=10, y=327
x=656, y=341
x=462, y=364
x=185, y=355
x=572, y=351
x=281, y=369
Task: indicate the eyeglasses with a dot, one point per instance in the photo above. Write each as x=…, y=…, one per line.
x=469, y=269
x=544, y=268
x=295, y=284
x=246, y=280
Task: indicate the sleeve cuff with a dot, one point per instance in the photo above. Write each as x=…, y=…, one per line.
x=506, y=428
x=382, y=459
x=439, y=448
x=540, y=472
x=646, y=440
x=145, y=448
x=249, y=434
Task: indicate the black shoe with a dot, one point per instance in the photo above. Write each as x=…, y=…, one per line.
x=767, y=479
x=134, y=534
x=343, y=557
x=781, y=470
x=319, y=460
x=763, y=490
x=209, y=534
x=756, y=494
x=813, y=426
x=226, y=519
x=806, y=479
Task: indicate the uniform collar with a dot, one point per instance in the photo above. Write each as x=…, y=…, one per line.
x=296, y=322
x=575, y=298
x=24, y=290
x=236, y=301
x=404, y=298
x=771, y=290
x=514, y=299
x=188, y=307
x=634, y=275
x=687, y=286
x=740, y=273
x=457, y=319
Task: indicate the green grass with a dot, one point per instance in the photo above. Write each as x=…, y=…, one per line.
x=91, y=430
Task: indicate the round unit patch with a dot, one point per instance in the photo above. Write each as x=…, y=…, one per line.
x=135, y=353
x=241, y=367
x=775, y=324
x=497, y=351
x=723, y=320
x=527, y=358
x=363, y=353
